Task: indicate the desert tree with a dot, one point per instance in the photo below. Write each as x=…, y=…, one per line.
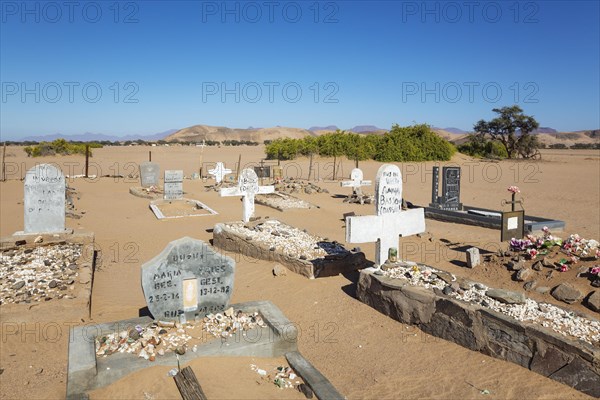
x=513, y=129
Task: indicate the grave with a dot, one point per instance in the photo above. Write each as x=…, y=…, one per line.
x=248, y=188
x=219, y=172
x=173, y=204
x=150, y=182
x=185, y=282
x=541, y=337
x=44, y=201
x=298, y=250
x=39, y=274
x=390, y=221
x=173, y=186
x=283, y=201
x=356, y=181
x=149, y=174
x=450, y=200
x=447, y=208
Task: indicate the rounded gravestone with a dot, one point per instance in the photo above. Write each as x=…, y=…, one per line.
x=189, y=277
x=44, y=199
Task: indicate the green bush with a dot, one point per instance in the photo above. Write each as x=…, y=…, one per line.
x=412, y=143
x=60, y=147
x=479, y=146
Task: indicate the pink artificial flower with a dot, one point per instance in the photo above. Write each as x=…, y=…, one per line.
x=564, y=268
x=574, y=260
x=595, y=271
x=545, y=229
x=532, y=253
x=514, y=189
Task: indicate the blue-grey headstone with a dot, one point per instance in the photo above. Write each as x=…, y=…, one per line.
x=149, y=174
x=189, y=277
x=44, y=199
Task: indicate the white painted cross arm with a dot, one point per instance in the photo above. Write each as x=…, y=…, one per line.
x=385, y=230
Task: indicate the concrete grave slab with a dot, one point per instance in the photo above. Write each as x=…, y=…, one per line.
x=279, y=338
x=180, y=208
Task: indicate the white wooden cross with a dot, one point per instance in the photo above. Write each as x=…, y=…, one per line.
x=390, y=221
x=356, y=181
x=247, y=187
x=219, y=171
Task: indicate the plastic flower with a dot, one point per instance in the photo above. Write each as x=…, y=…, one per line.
x=514, y=189
x=563, y=268
x=574, y=259
x=532, y=253
x=595, y=270
x=545, y=230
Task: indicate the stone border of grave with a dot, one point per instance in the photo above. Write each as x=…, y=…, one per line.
x=476, y=216
x=571, y=362
x=330, y=265
x=86, y=273
x=140, y=191
x=155, y=207
x=263, y=199
x=279, y=338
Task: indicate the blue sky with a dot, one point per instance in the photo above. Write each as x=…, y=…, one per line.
x=142, y=67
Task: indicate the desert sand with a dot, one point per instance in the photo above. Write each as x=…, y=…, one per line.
x=365, y=354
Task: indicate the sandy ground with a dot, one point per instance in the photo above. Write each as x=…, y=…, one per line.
x=364, y=353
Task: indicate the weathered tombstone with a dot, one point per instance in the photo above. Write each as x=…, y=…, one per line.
x=149, y=174
x=188, y=277
x=219, y=172
x=356, y=181
x=173, y=184
x=247, y=187
x=473, y=257
x=450, y=199
x=390, y=221
x=45, y=188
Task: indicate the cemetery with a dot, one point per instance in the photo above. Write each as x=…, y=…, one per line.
x=201, y=297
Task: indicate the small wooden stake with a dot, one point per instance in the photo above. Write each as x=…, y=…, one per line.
x=239, y=166
x=188, y=385
x=4, y=163
x=150, y=156
x=310, y=166
x=87, y=159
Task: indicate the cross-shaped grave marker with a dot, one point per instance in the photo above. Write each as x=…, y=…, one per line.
x=356, y=181
x=390, y=221
x=247, y=187
x=219, y=171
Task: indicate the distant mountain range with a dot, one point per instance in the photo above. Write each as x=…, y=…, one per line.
x=198, y=133
x=91, y=137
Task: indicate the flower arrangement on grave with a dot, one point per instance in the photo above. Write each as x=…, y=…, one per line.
x=535, y=245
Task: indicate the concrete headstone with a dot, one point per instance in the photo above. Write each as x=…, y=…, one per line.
x=189, y=277
x=44, y=199
x=473, y=257
x=173, y=184
x=149, y=174
x=390, y=221
x=248, y=188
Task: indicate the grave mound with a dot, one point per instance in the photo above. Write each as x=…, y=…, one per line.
x=299, y=251
x=282, y=201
